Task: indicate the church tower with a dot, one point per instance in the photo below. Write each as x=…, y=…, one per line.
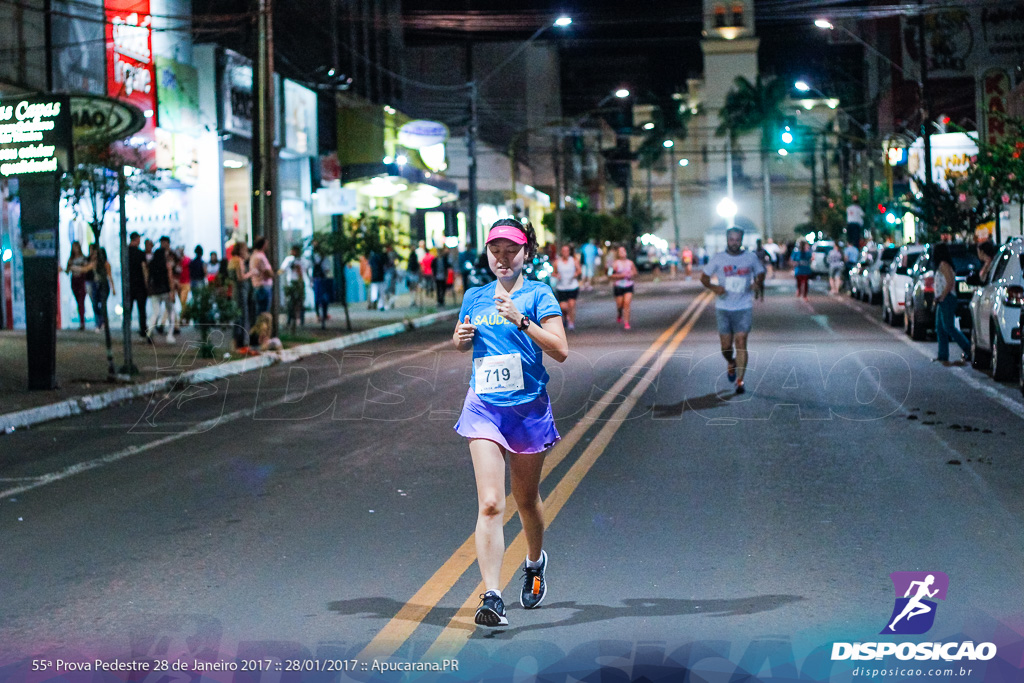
x=729, y=46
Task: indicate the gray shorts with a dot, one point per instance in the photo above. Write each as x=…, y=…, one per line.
x=733, y=322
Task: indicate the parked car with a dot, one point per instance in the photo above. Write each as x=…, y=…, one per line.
x=819, y=252
x=919, y=310
x=895, y=281
x=996, y=313
x=866, y=275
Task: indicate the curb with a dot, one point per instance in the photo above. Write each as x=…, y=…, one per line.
x=94, y=402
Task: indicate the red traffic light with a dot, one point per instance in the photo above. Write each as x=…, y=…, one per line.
x=881, y=208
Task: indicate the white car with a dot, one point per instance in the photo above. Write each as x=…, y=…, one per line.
x=996, y=313
x=819, y=252
x=866, y=276
x=895, y=282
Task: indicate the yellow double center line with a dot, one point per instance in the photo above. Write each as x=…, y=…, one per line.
x=411, y=615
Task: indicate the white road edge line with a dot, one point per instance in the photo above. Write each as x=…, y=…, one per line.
x=84, y=404
x=205, y=425
x=962, y=373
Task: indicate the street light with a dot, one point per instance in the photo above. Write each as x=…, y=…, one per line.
x=622, y=93
x=562, y=22
x=668, y=144
x=802, y=86
x=727, y=209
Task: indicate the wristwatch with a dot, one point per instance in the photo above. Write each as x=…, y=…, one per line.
x=524, y=323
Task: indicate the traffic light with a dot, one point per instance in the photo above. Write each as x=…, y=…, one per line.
x=787, y=135
x=888, y=214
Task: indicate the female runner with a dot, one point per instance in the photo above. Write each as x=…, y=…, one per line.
x=509, y=324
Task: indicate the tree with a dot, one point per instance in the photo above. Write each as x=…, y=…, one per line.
x=752, y=107
x=91, y=190
x=345, y=244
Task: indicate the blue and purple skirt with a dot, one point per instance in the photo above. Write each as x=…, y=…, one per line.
x=524, y=428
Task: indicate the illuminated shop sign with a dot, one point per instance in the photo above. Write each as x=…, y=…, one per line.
x=131, y=72
x=35, y=135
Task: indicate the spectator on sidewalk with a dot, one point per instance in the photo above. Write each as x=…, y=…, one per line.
x=196, y=270
x=103, y=287
x=321, y=291
x=412, y=278
x=440, y=267
x=212, y=268
x=149, y=250
x=366, y=273
x=161, y=277
x=182, y=280
x=77, y=267
x=262, y=275
x=295, y=270
x=378, y=263
x=138, y=288
x=427, y=271
x=241, y=287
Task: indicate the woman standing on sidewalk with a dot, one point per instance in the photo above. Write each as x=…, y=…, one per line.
x=623, y=272
x=241, y=284
x=509, y=324
x=77, y=267
x=945, y=306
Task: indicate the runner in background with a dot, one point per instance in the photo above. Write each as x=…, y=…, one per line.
x=739, y=273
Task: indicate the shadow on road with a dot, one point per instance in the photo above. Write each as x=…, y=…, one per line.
x=387, y=608
x=639, y=608
x=705, y=402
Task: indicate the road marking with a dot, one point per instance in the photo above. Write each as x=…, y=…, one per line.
x=962, y=373
x=455, y=635
x=204, y=426
x=415, y=610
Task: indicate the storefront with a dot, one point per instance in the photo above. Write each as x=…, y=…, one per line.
x=391, y=171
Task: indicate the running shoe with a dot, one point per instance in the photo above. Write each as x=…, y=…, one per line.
x=626, y=327
x=534, y=585
x=491, y=611
x=731, y=374
x=740, y=389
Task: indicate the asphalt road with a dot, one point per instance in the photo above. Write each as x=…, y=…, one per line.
x=320, y=514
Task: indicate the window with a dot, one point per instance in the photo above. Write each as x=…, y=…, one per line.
x=737, y=14
x=1004, y=258
x=721, y=20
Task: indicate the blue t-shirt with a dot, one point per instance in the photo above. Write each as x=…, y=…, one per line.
x=496, y=336
x=589, y=252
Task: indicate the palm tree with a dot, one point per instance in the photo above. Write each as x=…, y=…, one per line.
x=670, y=123
x=751, y=107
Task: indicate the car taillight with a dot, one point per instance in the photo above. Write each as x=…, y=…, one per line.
x=929, y=284
x=1014, y=296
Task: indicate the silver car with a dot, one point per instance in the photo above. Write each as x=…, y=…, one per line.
x=895, y=281
x=866, y=276
x=996, y=313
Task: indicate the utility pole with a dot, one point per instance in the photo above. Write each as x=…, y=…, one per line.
x=474, y=123
x=556, y=159
x=675, y=195
x=926, y=133
x=264, y=172
x=126, y=293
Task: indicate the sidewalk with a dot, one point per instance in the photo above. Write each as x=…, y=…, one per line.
x=82, y=358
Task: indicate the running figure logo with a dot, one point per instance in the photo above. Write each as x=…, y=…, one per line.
x=914, y=612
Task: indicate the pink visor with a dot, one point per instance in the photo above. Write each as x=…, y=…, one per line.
x=507, y=232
